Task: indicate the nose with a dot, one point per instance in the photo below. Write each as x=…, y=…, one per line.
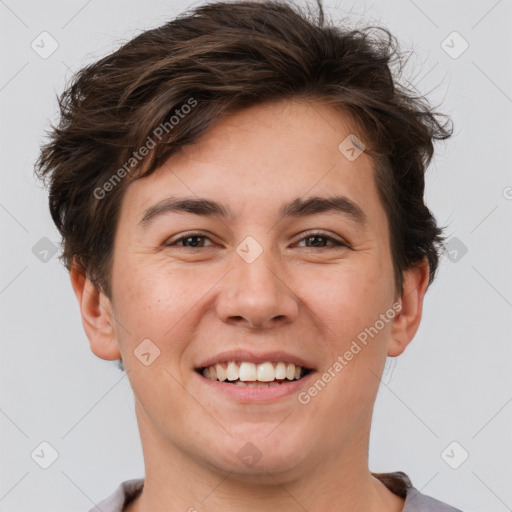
x=257, y=295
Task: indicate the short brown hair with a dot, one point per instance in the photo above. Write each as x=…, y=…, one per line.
x=219, y=58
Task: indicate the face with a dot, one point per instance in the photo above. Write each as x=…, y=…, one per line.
x=257, y=284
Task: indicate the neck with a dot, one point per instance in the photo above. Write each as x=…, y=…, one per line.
x=341, y=481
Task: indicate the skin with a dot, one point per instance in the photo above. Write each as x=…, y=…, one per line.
x=312, y=301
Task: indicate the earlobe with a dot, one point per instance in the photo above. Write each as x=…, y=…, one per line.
x=407, y=320
x=97, y=316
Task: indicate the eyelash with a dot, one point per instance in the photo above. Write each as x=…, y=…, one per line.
x=308, y=235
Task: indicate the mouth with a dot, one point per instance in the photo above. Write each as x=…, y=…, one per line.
x=248, y=374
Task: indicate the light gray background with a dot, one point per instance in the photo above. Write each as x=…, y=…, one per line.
x=452, y=384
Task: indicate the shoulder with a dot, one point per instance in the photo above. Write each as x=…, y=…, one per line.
x=400, y=484
x=418, y=502
x=397, y=482
x=124, y=493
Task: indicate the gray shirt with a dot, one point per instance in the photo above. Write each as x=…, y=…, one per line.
x=398, y=483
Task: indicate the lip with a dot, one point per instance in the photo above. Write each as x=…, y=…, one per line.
x=256, y=358
x=254, y=394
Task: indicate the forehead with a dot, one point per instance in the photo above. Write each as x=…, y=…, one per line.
x=263, y=157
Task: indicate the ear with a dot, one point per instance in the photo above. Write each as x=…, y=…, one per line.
x=407, y=321
x=97, y=315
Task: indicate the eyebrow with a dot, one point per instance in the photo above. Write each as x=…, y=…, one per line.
x=299, y=207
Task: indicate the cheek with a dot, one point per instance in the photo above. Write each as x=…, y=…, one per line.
x=349, y=306
x=151, y=300
x=347, y=300
x=153, y=305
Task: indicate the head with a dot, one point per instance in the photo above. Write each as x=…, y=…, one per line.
x=271, y=116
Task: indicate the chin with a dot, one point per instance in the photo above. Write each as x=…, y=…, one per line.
x=257, y=450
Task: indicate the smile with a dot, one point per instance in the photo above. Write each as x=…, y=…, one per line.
x=248, y=374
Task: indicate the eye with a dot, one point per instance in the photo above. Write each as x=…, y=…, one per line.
x=317, y=239
x=193, y=241
x=191, y=238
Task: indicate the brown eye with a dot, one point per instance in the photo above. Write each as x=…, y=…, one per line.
x=319, y=240
x=192, y=241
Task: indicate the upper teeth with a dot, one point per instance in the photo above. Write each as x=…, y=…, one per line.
x=245, y=371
